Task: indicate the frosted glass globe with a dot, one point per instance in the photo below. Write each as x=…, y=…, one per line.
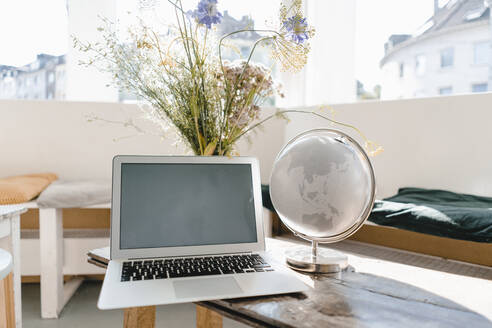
x=322, y=185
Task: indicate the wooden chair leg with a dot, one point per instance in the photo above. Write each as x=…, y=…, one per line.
x=206, y=318
x=54, y=294
x=139, y=317
x=51, y=256
x=7, y=307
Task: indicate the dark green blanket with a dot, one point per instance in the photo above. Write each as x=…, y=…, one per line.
x=265, y=195
x=437, y=212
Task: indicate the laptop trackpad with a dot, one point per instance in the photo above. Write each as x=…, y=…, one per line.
x=203, y=287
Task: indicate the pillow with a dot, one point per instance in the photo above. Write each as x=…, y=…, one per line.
x=75, y=194
x=23, y=188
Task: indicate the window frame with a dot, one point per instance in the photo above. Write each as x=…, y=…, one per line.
x=417, y=72
x=401, y=70
x=473, y=85
x=440, y=89
x=487, y=59
x=441, y=53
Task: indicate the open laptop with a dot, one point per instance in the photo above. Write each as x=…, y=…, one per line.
x=186, y=229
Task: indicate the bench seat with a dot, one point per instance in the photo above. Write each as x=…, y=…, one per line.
x=59, y=195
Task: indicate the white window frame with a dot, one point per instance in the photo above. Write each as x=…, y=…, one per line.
x=439, y=90
x=487, y=55
x=486, y=83
x=441, y=58
x=417, y=67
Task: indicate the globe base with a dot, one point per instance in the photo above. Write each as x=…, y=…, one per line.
x=312, y=259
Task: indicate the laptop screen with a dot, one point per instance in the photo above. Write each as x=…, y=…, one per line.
x=167, y=205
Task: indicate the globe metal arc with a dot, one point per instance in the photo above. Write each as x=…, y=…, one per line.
x=323, y=188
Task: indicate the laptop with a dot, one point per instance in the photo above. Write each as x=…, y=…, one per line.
x=188, y=229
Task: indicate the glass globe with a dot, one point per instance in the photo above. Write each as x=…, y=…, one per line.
x=322, y=186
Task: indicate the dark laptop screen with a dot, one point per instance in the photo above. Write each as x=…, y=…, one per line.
x=165, y=205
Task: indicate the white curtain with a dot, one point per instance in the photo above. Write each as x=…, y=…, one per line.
x=329, y=76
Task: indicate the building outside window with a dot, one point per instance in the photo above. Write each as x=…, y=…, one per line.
x=445, y=90
x=481, y=51
x=430, y=35
x=455, y=39
x=420, y=65
x=447, y=57
x=480, y=87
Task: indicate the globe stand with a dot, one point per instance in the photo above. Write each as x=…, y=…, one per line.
x=303, y=258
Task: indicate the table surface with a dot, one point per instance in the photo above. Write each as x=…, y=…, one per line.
x=371, y=293
x=10, y=210
x=5, y=263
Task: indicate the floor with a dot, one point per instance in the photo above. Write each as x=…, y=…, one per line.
x=81, y=312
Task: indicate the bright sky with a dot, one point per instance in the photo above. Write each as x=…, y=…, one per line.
x=235, y=8
x=29, y=27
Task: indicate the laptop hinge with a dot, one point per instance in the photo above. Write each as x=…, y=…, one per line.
x=212, y=254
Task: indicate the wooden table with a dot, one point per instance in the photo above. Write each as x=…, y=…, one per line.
x=10, y=241
x=371, y=293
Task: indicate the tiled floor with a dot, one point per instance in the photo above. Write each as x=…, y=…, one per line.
x=81, y=312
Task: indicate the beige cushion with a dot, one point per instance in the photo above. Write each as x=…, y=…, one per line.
x=23, y=188
x=75, y=194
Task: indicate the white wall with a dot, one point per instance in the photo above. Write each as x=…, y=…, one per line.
x=55, y=136
x=489, y=3
x=442, y=142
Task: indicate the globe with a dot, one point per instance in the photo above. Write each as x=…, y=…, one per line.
x=322, y=185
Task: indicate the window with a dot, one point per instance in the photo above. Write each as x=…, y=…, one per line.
x=44, y=48
x=480, y=87
x=481, y=53
x=414, y=43
x=475, y=13
x=447, y=57
x=413, y=35
x=420, y=63
x=446, y=90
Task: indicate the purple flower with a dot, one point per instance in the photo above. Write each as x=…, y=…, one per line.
x=297, y=28
x=207, y=13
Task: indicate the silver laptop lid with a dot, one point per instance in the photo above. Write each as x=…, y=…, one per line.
x=185, y=205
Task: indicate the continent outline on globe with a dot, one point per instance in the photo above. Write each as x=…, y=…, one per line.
x=335, y=185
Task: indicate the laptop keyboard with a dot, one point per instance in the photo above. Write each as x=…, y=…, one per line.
x=192, y=267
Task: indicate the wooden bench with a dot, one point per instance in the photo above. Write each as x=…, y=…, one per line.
x=54, y=292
